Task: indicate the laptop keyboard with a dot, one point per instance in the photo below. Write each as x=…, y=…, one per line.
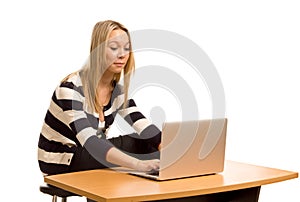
x=153, y=172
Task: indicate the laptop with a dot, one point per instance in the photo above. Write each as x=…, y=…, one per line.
x=190, y=148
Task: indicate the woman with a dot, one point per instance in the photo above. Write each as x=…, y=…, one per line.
x=84, y=105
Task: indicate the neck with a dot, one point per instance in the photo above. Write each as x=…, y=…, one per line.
x=106, y=79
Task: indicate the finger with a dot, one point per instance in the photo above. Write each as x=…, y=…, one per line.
x=156, y=166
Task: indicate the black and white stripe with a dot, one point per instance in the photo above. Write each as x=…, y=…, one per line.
x=68, y=124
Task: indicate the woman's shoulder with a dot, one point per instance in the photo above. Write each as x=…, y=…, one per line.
x=73, y=78
x=70, y=83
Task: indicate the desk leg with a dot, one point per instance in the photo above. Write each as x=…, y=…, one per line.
x=242, y=195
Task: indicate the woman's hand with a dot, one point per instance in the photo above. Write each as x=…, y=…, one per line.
x=117, y=157
x=147, y=165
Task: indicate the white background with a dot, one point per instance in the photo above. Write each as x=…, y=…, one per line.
x=255, y=46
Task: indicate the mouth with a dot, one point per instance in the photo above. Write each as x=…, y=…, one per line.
x=119, y=64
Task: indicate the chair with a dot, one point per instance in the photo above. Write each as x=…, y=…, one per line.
x=56, y=192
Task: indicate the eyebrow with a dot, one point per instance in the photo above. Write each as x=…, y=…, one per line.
x=109, y=42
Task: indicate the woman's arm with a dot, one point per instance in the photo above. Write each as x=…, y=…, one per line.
x=144, y=128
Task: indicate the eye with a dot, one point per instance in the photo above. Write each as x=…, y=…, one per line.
x=113, y=48
x=127, y=49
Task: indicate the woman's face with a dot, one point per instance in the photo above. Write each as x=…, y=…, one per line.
x=117, y=50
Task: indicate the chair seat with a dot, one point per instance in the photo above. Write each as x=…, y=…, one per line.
x=55, y=191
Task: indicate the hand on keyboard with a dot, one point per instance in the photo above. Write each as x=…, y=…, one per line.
x=147, y=165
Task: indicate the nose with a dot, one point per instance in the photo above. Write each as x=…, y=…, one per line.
x=121, y=53
x=121, y=56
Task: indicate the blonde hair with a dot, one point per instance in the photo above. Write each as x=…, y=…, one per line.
x=96, y=65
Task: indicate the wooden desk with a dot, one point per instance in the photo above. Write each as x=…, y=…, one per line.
x=107, y=185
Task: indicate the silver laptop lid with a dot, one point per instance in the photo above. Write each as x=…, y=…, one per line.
x=192, y=148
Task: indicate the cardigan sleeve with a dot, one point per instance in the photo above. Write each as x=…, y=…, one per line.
x=144, y=128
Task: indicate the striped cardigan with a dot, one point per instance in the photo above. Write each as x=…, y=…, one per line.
x=68, y=124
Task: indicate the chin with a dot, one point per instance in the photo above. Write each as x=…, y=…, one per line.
x=116, y=71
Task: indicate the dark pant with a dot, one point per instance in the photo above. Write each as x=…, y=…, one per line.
x=135, y=147
x=132, y=146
